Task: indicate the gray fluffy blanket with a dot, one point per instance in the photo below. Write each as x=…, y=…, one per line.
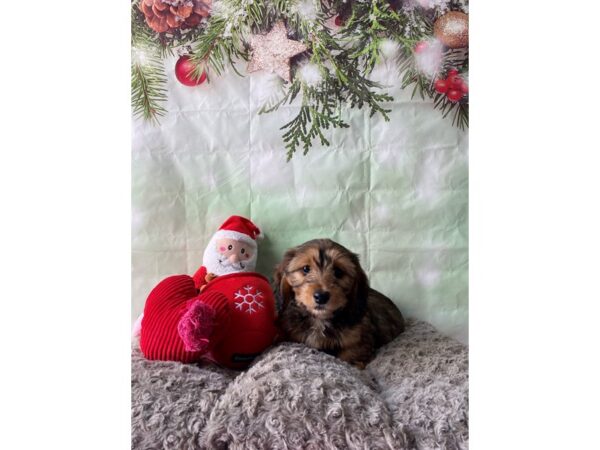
x=413, y=395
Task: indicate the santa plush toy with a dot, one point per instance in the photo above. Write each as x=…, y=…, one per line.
x=225, y=312
x=231, y=249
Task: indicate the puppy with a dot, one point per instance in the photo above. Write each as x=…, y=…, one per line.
x=327, y=304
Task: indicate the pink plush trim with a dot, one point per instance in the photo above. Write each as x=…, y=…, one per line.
x=137, y=326
x=196, y=326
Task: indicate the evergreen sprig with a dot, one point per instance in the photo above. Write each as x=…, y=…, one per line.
x=424, y=87
x=317, y=113
x=147, y=88
x=343, y=84
x=224, y=40
x=148, y=50
x=148, y=79
x=321, y=105
x=344, y=60
x=369, y=23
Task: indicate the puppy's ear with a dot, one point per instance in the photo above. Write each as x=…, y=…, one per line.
x=360, y=290
x=283, y=291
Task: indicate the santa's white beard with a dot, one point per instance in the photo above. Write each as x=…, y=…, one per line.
x=220, y=265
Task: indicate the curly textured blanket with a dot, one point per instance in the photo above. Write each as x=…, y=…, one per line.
x=413, y=395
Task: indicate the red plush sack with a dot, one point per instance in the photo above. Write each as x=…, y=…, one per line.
x=251, y=326
x=231, y=321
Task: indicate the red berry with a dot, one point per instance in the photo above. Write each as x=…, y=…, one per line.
x=454, y=95
x=421, y=46
x=441, y=86
x=464, y=87
x=339, y=21
x=452, y=72
x=454, y=82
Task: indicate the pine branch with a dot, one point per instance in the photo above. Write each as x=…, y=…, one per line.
x=344, y=60
x=148, y=80
x=224, y=43
x=318, y=112
x=214, y=49
x=289, y=96
x=343, y=84
x=372, y=22
x=147, y=89
x=369, y=23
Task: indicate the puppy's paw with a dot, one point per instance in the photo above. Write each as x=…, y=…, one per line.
x=359, y=365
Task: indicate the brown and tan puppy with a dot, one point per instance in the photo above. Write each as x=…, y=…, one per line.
x=327, y=303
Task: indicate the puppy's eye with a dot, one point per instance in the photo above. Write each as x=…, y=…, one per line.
x=306, y=269
x=229, y=247
x=338, y=273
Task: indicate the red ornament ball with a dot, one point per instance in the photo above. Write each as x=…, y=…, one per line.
x=441, y=86
x=184, y=69
x=452, y=72
x=339, y=22
x=464, y=87
x=454, y=95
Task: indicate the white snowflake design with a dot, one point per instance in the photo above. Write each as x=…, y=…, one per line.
x=249, y=301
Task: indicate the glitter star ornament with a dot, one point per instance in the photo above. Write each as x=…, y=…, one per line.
x=272, y=51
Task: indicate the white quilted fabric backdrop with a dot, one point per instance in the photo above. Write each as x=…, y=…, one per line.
x=394, y=192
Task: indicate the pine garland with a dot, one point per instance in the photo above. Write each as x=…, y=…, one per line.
x=371, y=23
x=340, y=63
x=148, y=78
x=147, y=72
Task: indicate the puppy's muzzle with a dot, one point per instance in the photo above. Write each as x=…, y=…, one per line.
x=321, y=297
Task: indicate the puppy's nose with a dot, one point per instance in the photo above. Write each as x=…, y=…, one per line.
x=321, y=297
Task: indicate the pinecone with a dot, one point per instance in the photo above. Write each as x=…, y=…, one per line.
x=169, y=15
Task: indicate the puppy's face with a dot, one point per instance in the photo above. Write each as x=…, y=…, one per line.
x=321, y=276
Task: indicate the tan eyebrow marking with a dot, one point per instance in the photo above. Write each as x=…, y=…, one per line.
x=287, y=272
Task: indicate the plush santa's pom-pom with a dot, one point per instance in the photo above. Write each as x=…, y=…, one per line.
x=196, y=326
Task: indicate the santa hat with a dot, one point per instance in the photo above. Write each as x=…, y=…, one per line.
x=240, y=229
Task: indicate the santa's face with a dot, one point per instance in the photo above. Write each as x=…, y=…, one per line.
x=231, y=255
